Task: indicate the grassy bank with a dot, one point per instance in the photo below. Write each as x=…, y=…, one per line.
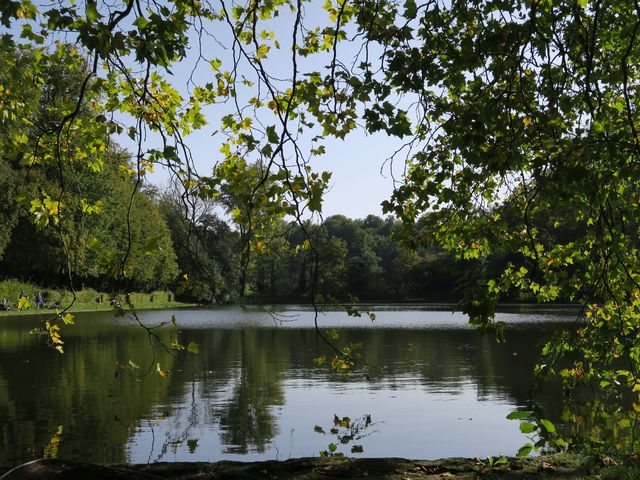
x=86, y=300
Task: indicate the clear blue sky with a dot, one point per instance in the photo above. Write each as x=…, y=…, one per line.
x=357, y=185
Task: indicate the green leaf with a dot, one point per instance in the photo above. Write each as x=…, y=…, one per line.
x=193, y=348
x=92, y=12
x=272, y=136
x=518, y=415
x=548, y=426
x=411, y=9
x=527, y=427
x=262, y=51
x=525, y=450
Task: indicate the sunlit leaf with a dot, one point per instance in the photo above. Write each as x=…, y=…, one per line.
x=548, y=426
x=518, y=415
x=527, y=427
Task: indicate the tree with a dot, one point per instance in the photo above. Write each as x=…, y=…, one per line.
x=531, y=108
x=206, y=249
x=94, y=177
x=332, y=267
x=8, y=206
x=136, y=254
x=520, y=108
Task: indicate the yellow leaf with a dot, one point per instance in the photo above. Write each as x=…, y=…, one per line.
x=193, y=348
x=162, y=373
x=23, y=303
x=527, y=121
x=60, y=349
x=262, y=51
x=68, y=319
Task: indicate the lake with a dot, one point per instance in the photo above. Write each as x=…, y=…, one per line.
x=433, y=387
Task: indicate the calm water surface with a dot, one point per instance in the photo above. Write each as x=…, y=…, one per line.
x=434, y=389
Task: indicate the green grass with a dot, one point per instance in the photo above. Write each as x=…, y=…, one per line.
x=10, y=289
x=86, y=299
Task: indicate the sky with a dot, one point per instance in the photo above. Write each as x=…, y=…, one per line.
x=360, y=179
x=358, y=183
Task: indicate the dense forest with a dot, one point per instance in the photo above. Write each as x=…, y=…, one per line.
x=97, y=190
x=354, y=258
x=202, y=259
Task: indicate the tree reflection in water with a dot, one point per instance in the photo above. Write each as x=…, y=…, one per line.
x=253, y=391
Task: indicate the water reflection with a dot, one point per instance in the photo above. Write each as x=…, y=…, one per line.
x=435, y=388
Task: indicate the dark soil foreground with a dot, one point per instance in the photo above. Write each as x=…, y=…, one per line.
x=551, y=467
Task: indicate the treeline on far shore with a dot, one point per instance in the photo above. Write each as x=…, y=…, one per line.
x=113, y=239
x=205, y=259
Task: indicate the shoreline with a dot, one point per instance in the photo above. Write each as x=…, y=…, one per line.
x=83, y=308
x=557, y=466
